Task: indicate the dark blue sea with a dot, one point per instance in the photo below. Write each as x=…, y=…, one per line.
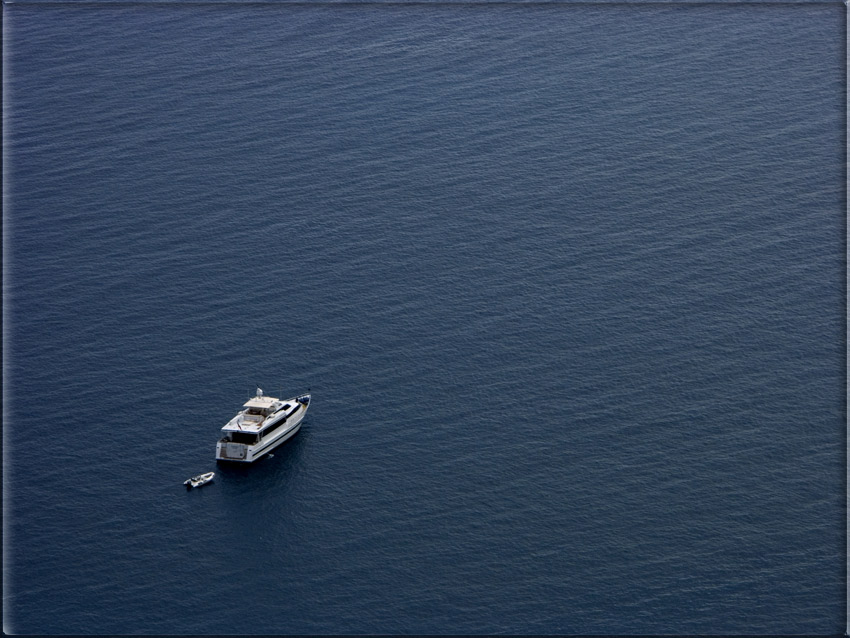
x=567, y=283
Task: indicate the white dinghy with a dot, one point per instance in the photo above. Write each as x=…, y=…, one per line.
x=199, y=480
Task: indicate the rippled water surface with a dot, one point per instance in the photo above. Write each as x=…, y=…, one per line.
x=567, y=284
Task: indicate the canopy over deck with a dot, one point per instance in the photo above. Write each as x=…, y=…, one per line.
x=262, y=403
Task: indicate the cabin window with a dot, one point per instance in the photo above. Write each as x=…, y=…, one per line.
x=273, y=428
x=243, y=437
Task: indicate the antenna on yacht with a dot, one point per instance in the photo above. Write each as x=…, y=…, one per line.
x=259, y=392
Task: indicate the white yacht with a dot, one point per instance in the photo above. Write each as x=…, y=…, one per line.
x=262, y=425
